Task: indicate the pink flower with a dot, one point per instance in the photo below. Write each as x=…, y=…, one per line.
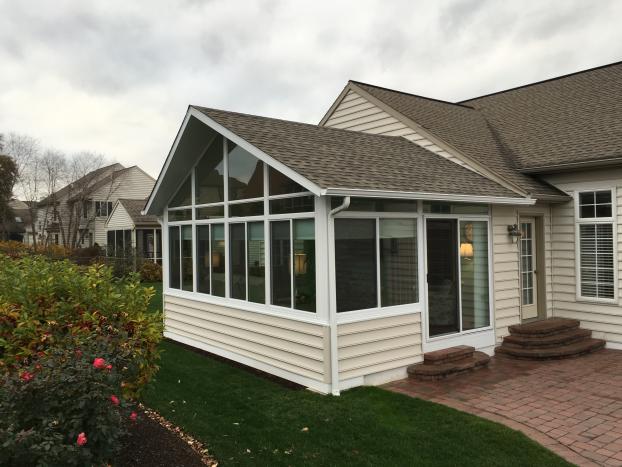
x=99, y=363
x=81, y=439
x=114, y=399
x=133, y=416
x=109, y=367
x=26, y=376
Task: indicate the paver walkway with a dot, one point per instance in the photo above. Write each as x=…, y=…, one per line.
x=573, y=407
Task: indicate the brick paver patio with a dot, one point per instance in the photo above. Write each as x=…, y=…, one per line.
x=573, y=407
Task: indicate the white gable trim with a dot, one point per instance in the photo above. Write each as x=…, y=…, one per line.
x=117, y=205
x=258, y=153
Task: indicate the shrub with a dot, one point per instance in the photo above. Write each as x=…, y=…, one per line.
x=48, y=310
x=150, y=271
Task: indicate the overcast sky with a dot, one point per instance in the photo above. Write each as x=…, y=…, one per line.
x=116, y=77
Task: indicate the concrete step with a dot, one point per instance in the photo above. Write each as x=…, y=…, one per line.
x=574, y=349
x=545, y=327
x=450, y=354
x=568, y=336
x=427, y=371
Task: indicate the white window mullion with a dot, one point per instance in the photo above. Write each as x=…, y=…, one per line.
x=291, y=261
x=378, y=293
x=266, y=236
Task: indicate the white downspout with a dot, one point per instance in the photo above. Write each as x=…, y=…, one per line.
x=332, y=312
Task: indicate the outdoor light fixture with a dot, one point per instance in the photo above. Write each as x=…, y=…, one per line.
x=514, y=232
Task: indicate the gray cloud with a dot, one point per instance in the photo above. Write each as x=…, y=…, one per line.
x=116, y=76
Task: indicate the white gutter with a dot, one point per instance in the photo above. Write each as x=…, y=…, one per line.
x=527, y=201
x=332, y=320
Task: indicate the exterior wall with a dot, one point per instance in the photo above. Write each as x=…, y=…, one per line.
x=605, y=320
x=376, y=346
x=289, y=348
x=119, y=219
x=356, y=113
x=506, y=264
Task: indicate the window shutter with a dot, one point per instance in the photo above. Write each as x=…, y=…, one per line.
x=596, y=260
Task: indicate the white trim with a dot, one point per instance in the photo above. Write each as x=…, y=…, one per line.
x=272, y=310
x=427, y=196
x=319, y=386
x=375, y=313
x=309, y=185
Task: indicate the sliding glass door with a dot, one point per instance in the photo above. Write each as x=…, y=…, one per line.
x=457, y=275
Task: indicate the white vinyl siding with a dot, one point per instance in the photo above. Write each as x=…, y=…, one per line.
x=292, y=346
x=120, y=219
x=374, y=346
x=604, y=319
x=356, y=113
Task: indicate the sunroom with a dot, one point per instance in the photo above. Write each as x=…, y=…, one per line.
x=326, y=257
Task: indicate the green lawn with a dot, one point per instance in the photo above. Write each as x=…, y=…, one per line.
x=245, y=419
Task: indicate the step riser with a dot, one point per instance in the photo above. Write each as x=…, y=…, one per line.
x=549, y=327
x=550, y=353
x=427, y=361
x=427, y=371
x=538, y=344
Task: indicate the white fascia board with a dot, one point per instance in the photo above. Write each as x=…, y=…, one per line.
x=114, y=208
x=258, y=153
x=428, y=196
x=167, y=162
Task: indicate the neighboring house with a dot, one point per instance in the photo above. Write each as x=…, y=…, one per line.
x=19, y=228
x=76, y=214
x=128, y=230
x=335, y=255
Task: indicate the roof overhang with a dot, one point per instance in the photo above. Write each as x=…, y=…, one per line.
x=456, y=198
x=190, y=144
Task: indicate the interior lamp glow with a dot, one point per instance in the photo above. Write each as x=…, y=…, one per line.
x=466, y=250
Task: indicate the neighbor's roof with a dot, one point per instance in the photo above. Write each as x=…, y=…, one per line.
x=335, y=158
x=134, y=207
x=575, y=118
x=464, y=128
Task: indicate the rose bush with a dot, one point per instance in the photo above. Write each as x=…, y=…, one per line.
x=76, y=347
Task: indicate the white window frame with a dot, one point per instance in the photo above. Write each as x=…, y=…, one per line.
x=378, y=311
x=320, y=316
x=591, y=221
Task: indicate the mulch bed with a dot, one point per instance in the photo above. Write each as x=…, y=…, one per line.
x=155, y=442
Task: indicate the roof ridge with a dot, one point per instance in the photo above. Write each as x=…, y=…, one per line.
x=555, y=78
x=455, y=104
x=314, y=125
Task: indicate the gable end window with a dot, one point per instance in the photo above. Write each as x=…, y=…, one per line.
x=596, y=245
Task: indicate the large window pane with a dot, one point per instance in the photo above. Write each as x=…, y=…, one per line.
x=474, y=274
x=281, y=184
x=245, y=174
x=304, y=264
x=256, y=263
x=218, y=260
x=173, y=255
x=355, y=264
x=209, y=180
x=179, y=215
x=289, y=205
x=203, y=259
x=237, y=255
x=210, y=212
x=246, y=209
x=280, y=264
x=398, y=261
x=183, y=197
x=186, y=257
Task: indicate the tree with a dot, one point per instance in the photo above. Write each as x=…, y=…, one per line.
x=8, y=174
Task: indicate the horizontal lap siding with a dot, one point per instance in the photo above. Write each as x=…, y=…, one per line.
x=356, y=113
x=368, y=347
x=605, y=320
x=120, y=219
x=290, y=345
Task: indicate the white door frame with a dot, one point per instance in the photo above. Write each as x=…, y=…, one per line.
x=529, y=311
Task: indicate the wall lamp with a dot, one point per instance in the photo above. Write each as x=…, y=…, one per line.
x=514, y=232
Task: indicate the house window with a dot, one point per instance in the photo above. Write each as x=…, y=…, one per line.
x=180, y=257
x=596, y=245
x=375, y=262
x=119, y=243
x=103, y=208
x=245, y=213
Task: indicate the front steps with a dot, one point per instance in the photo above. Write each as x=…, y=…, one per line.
x=448, y=362
x=552, y=338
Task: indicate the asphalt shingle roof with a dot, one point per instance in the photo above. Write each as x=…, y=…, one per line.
x=570, y=119
x=134, y=208
x=334, y=158
x=466, y=129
